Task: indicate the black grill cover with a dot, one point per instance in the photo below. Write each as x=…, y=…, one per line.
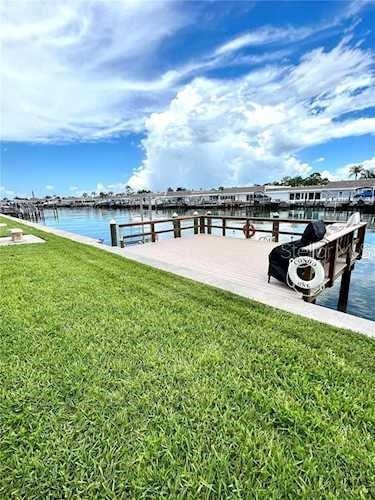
x=314, y=232
x=280, y=256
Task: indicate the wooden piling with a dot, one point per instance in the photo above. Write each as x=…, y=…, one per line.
x=342, y=303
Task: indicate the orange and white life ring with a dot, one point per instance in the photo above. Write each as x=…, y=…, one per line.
x=248, y=230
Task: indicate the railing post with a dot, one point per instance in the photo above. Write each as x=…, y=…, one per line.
x=153, y=235
x=247, y=234
x=209, y=223
x=176, y=226
x=114, y=232
x=174, y=229
x=360, y=241
x=201, y=225
x=195, y=225
x=342, y=303
x=275, y=230
x=332, y=263
x=224, y=225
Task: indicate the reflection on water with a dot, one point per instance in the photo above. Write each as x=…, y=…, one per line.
x=95, y=223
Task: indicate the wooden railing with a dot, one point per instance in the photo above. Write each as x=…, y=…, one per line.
x=337, y=253
x=201, y=224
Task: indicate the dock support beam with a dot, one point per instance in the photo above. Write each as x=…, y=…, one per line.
x=114, y=232
x=342, y=303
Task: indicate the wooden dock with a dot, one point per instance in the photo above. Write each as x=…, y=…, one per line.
x=239, y=266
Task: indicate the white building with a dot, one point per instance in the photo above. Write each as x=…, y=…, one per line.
x=331, y=193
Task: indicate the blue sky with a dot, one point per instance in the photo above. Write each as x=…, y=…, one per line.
x=98, y=95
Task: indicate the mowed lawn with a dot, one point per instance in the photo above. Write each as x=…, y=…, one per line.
x=121, y=381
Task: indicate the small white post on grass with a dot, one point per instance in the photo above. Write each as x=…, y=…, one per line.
x=114, y=232
x=16, y=235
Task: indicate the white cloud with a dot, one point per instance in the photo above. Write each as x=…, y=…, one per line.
x=267, y=35
x=251, y=129
x=263, y=36
x=6, y=192
x=76, y=69
x=320, y=159
x=49, y=187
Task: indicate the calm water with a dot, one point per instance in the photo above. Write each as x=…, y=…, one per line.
x=95, y=223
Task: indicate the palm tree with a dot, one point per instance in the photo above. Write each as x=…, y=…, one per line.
x=368, y=174
x=355, y=170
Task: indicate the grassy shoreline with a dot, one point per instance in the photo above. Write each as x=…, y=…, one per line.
x=119, y=380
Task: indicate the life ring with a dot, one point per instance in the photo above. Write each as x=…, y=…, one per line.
x=248, y=230
x=303, y=262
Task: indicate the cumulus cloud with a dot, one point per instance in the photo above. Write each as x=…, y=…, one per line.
x=251, y=129
x=76, y=69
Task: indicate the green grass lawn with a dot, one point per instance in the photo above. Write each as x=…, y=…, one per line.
x=121, y=381
x=4, y=231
